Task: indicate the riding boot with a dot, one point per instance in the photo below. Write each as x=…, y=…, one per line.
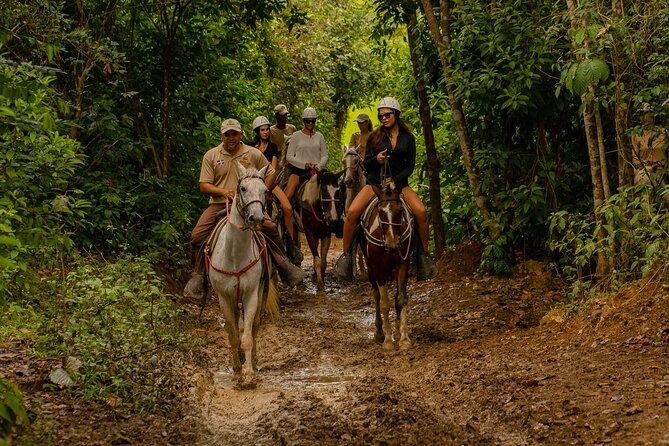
x=195, y=286
x=292, y=251
x=346, y=262
x=290, y=274
x=425, y=267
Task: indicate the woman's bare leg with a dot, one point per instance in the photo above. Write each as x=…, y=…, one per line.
x=293, y=181
x=420, y=214
x=287, y=211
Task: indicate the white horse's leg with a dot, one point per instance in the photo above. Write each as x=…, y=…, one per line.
x=385, y=314
x=230, y=313
x=247, y=341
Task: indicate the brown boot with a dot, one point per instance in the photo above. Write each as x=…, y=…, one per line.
x=426, y=269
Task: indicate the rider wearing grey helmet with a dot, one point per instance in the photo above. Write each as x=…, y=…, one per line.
x=394, y=145
x=268, y=148
x=262, y=140
x=307, y=150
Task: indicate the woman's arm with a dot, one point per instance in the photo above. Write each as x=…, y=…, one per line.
x=293, y=148
x=323, y=148
x=410, y=157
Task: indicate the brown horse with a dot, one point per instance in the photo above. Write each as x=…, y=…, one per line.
x=319, y=217
x=388, y=229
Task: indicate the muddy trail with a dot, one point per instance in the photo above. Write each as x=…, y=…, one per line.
x=490, y=364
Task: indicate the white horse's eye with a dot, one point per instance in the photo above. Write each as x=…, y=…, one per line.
x=243, y=189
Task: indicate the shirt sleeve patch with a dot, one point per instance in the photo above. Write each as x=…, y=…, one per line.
x=219, y=162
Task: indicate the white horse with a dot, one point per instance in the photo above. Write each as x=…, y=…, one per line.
x=354, y=179
x=237, y=265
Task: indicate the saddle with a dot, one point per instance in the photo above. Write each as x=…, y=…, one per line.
x=258, y=237
x=366, y=216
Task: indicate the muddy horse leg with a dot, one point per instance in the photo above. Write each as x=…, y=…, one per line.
x=231, y=315
x=378, y=323
x=247, y=341
x=401, y=308
x=313, y=247
x=325, y=247
x=385, y=314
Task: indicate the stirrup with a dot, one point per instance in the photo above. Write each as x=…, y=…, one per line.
x=426, y=269
x=343, y=269
x=195, y=287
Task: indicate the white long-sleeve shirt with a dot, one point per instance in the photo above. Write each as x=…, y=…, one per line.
x=307, y=149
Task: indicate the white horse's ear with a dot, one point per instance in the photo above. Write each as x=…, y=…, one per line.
x=241, y=169
x=263, y=171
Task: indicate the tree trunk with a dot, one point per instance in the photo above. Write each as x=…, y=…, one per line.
x=625, y=165
x=596, y=167
x=441, y=36
x=433, y=164
x=165, y=111
x=602, y=151
x=170, y=13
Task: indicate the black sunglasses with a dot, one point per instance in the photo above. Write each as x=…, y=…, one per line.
x=385, y=115
x=309, y=121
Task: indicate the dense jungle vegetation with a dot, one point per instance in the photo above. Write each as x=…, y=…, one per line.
x=523, y=112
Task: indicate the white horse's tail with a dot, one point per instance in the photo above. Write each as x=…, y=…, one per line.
x=272, y=301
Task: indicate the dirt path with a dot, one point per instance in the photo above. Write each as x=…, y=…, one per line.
x=481, y=371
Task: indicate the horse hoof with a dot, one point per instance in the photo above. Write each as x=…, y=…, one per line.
x=388, y=345
x=246, y=383
x=405, y=345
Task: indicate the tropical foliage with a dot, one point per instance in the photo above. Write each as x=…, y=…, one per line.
x=107, y=107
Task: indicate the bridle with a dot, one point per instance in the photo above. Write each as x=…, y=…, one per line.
x=334, y=201
x=356, y=170
x=406, y=235
x=242, y=207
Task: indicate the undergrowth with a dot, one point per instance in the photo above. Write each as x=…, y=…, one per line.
x=115, y=319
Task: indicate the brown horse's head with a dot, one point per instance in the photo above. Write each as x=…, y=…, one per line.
x=391, y=218
x=330, y=195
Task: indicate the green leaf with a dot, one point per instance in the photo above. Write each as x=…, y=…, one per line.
x=599, y=70
x=6, y=111
x=582, y=77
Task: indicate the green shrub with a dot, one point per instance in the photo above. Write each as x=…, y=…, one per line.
x=116, y=320
x=636, y=239
x=13, y=415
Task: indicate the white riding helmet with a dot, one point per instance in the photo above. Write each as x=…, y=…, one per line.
x=260, y=120
x=389, y=102
x=309, y=113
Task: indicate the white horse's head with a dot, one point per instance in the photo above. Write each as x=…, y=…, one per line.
x=352, y=165
x=251, y=195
